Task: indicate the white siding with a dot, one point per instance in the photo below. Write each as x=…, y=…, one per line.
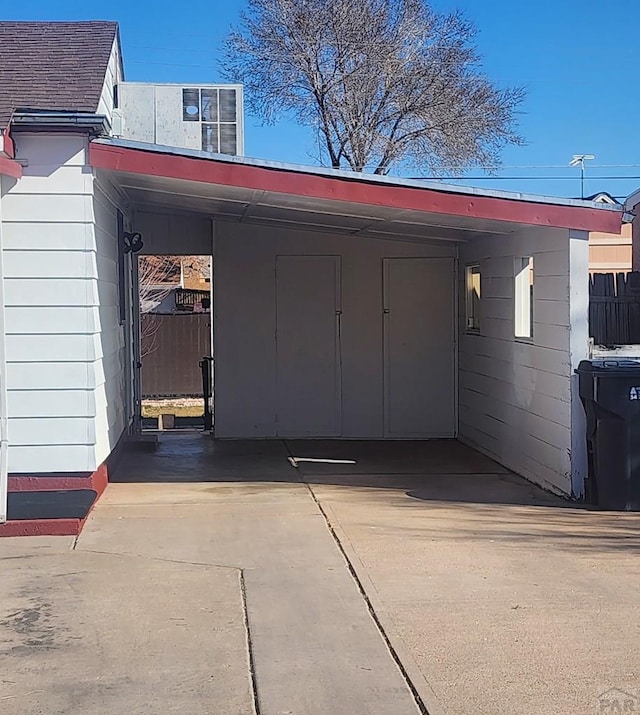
x=64, y=341
x=4, y=187
x=112, y=77
x=515, y=398
x=580, y=350
x=113, y=406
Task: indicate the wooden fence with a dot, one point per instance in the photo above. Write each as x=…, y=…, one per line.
x=180, y=341
x=614, y=308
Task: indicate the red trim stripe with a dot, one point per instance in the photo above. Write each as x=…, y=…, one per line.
x=97, y=481
x=9, y=147
x=9, y=167
x=23, y=483
x=211, y=171
x=42, y=527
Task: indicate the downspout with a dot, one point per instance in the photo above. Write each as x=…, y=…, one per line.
x=4, y=443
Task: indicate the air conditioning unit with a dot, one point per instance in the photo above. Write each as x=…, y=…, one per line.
x=205, y=117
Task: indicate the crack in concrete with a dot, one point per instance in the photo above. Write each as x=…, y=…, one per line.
x=243, y=600
x=249, y=640
x=374, y=616
x=161, y=559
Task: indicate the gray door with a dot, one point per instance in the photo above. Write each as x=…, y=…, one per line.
x=308, y=346
x=419, y=354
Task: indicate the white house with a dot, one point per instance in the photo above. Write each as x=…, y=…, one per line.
x=345, y=306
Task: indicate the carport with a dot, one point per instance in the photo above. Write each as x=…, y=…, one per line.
x=344, y=304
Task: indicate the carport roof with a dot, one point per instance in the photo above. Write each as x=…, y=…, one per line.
x=252, y=190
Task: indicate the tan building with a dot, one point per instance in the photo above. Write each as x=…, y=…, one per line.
x=610, y=252
x=632, y=205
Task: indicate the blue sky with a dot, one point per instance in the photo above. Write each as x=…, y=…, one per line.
x=578, y=64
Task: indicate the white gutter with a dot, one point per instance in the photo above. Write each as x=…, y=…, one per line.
x=4, y=442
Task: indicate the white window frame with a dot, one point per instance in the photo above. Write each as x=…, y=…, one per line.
x=472, y=316
x=217, y=122
x=524, y=288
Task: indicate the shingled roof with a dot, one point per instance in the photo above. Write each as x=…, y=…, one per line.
x=53, y=66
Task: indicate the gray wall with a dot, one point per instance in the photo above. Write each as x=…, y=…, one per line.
x=244, y=324
x=153, y=113
x=515, y=394
x=174, y=234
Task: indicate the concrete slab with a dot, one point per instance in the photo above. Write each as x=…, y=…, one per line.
x=97, y=633
x=35, y=545
x=495, y=596
x=314, y=645
x=375, y=459
x=195, y=456
x=505, y=599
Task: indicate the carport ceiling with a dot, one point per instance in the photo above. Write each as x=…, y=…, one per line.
x=270, y=208
x=265, y=193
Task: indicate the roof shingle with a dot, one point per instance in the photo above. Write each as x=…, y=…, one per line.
x=53, y=66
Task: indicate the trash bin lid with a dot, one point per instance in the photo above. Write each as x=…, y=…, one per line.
x=610, y=366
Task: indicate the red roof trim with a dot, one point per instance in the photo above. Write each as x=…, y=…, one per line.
x=8, y=145
x=149, y=163
x=9, y=167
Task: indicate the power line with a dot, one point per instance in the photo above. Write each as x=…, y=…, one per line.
x=519, y=80
x=191, y=35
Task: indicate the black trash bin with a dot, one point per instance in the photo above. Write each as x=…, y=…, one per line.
x=610, y=393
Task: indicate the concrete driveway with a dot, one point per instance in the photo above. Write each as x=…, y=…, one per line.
x=398, y=578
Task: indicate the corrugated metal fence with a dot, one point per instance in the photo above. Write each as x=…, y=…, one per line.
x=614, y=308
x=180, y=341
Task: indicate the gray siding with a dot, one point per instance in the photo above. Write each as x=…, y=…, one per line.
x=515, y=395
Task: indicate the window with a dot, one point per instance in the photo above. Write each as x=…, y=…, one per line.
x=473, y=298
x=524, y=297
x=216, y=111
x=190, y=105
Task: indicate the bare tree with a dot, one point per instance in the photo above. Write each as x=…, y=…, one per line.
x=157, y=277
x=196, y=268
x=384, y=82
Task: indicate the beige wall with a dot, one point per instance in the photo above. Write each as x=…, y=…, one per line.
x=610, y=252
x=246, y=392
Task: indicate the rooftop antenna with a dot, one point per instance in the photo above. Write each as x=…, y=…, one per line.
x=578, y=160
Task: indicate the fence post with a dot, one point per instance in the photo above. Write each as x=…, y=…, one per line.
x=205, y=366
